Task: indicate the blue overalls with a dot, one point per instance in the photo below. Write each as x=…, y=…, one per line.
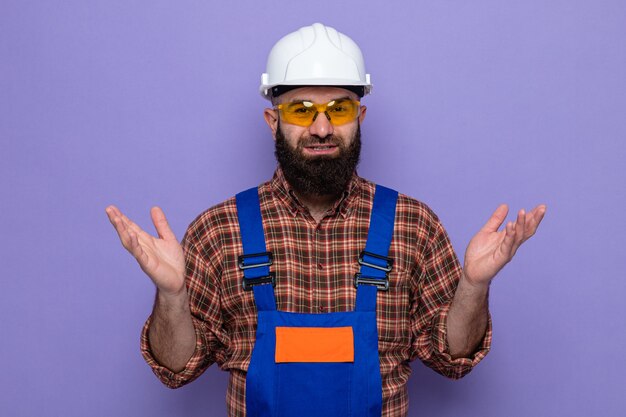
x=326, y=364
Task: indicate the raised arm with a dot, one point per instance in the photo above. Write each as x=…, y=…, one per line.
x=487, y=253
x=172, y=335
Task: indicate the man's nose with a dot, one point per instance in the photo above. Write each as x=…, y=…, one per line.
x=321, y=126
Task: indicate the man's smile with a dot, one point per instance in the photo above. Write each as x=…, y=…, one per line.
x=320, y=149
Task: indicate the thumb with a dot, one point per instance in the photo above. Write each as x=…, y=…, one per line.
x=496, y=219
x=160, y=224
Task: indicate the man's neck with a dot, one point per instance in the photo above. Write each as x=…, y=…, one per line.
x=318, y=205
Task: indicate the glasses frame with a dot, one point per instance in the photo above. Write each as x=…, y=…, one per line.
x=320, y=108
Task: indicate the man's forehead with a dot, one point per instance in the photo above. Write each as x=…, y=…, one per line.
x=317, y=94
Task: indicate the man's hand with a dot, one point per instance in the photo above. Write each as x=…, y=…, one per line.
x=490, y=249
x=160, y=258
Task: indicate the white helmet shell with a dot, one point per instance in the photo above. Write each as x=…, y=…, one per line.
x=315, y=55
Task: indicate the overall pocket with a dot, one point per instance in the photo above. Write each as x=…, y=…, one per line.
x=314, y=368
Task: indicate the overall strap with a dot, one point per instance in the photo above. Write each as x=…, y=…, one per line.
x=375, y=265
x=256, y=260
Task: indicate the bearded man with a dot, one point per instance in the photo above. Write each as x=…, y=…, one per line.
x=316, y=289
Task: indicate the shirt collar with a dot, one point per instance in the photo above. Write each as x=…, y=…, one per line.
x=286, y=194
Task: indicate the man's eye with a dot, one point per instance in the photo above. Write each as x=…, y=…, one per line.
x=338, y=109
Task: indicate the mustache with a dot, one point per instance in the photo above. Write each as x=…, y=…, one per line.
x=314, y=140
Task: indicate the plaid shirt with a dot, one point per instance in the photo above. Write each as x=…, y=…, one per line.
x=315, y=266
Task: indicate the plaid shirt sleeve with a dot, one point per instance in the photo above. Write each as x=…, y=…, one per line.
x=202, y=268
x=436, y=279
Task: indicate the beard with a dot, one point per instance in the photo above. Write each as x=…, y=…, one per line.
x=321, y=175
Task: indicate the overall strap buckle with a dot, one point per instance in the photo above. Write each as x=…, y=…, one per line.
x=248, y=283
x=256, y=260
x=366, y=262
x=370, y=259
x=380, y=284
x=266, y=260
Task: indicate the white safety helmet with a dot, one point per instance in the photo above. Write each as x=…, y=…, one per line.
x=315, y=55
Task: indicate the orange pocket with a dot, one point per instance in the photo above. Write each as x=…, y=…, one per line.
x=314, y=344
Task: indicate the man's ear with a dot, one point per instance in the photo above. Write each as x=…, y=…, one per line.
x=271, y=118
x=363, y=110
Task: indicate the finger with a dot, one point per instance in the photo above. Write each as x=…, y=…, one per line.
x=506, y=247
x=132, y=242
x=137, y=250
x=123, y=233
x=117, y=222
x=520, y=227
x=540, y=212
x=496, y=219
x=533, y=219
x=128, y=237
x=161, y=225
x=112, y=212
x=128, y=223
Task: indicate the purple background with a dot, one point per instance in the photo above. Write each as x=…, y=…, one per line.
x=475, y=103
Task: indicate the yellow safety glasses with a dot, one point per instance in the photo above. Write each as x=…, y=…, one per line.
x=303, y=113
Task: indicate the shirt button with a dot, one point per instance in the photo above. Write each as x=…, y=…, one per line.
x=320, y=266
x=322, y=308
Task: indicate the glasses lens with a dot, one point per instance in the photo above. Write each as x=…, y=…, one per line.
x=342, y=111
x=298, y=113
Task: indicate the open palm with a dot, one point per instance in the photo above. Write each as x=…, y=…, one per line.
x=490, y=249
x=161, y=258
